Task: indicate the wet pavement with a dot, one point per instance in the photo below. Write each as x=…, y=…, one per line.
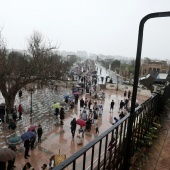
x=58, y=136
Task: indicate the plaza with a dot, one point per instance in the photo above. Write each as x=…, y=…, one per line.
x=58, y=136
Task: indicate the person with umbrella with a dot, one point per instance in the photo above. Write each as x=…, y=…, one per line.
x=6, y=154
x=12, y=125
x=73, y=127
x=27, y=147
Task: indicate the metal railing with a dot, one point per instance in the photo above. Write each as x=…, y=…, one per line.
x=97, y=155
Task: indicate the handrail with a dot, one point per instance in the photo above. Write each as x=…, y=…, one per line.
x=89, y=145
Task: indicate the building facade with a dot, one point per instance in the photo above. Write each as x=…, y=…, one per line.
x=154, y=66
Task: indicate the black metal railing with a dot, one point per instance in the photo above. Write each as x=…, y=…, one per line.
x=97, y=155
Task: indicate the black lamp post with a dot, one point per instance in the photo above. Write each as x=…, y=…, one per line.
x=31, y=91
x=117, y=82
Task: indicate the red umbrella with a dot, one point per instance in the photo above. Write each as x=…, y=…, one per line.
x=31, y=128
x=81, y=122
x=76, y=92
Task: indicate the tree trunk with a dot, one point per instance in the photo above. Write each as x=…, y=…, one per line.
x=9, y=102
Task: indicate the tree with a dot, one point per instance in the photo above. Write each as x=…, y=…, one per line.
x=18, y=70
x=115, y=66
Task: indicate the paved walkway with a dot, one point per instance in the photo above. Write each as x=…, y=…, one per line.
x=56, y=136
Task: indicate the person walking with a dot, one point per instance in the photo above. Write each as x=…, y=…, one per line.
x=12, y=162
x=97, y=128
x=121, y=105
x=27, y=147
x=112, y=106
x=129, y=94
x=95, y=116
x=39, y=133
x=81, y=103
x=32, y=140
x=85, y=102
x=125, y=93
x=62, y=115
x=89, y=104
x=73, y=126
x=20, y=111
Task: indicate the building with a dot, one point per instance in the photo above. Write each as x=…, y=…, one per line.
x=154, y=66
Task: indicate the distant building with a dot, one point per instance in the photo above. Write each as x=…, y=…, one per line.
x=82, y=54
x=154, y=66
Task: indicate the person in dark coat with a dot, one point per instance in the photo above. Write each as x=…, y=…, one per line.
x=81, y=103
x=12, y=125
x=39, y=133
x=89, y=104
x=121, y=105
x=66, y=99
x=73, y=126
x=112, y=106
x=3, y=165
x=121, y=115
x=88, y=125
x=76, y=99
x=32, y=140
x=27, y=147
x=62, y=115
x=125, y=93
x=12, y=162
x=129, y=94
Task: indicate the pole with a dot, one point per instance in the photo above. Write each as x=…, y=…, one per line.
x=128, y=146
x=31, y=106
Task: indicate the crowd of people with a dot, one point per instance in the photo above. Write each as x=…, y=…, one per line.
x=90, y=111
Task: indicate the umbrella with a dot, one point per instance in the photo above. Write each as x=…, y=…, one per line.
x=14, y=140
x=81, y=122
x=76, y=92
x=56, y=105
x=31, y=128
x=27, y=135
x=66, y=96
x=6, y=154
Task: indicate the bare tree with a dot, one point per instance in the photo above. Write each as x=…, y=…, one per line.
x=18, y=70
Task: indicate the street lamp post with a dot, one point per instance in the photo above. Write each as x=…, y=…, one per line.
x=31, y=91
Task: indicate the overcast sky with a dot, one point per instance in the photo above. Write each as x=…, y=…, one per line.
x=108, y=27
